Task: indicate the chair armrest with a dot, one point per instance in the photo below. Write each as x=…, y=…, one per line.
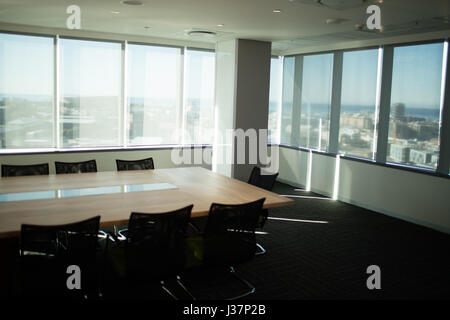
x=194, y=227
x=262, y=218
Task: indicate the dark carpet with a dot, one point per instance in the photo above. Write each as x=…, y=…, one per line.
x=312, y=260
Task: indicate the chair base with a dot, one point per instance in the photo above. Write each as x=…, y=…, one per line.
x=181, y=284
x=250, y=287
x=248, y=284
x=261, y=250
x=163, y=286
x=122, y=234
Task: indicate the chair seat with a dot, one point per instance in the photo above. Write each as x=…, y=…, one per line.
x=215, y=250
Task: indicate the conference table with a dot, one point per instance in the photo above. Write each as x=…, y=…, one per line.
x=67, y=198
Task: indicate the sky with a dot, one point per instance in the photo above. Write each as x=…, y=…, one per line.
x=417, y=73
x=93, y=69
x=275, y=81
x=416, y=82
x=90, y=68
x=317, y=76
x=359, y=77
x=26, y=65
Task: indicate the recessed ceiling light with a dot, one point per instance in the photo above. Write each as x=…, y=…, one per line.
x=220, y=25
x=334, y=20
x=132, y=2
x=276, y=11
x=115, y=12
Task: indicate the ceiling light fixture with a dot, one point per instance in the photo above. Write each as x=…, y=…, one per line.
x=115, y=12
x=132, y=2
x=201, y=33
x=276, y=11
x=220, y=25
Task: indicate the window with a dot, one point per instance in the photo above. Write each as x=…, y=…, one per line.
x=199, y=97
x=415, y=105
x=416, y=96
x=90, y=93
x=287, y=100
x=358, y=103
x=153, y=95
x=108, y=93
x=26, y=92
x=274, y=99
x=316, y=101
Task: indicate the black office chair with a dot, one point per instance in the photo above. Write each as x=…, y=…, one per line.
x=154, y=250
x=265, y=181
x=262, y=179
x=75, y=167
x=24, y=170
x=79, y=167
x=144, y=164
x=46, y=252
x=124, y=165
x=228, y=239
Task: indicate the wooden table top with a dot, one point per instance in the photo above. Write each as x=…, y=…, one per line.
x=195, y=185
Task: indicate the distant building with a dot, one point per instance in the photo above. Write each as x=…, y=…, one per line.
x=399, y=153
x=361, y=121
x=398, y=111
x=434, y=159
x=419, y=156
x=401, y=130
x=425, y=131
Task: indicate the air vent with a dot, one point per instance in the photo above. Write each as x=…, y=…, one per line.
x=132, y=2
x=202, y=33
x=333, y=4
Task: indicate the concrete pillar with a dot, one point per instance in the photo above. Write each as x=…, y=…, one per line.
x=242, y=102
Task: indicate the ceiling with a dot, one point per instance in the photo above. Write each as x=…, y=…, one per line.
x=299, y=24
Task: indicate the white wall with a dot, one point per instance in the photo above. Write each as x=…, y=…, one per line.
x=105, y=159
x=414, y=197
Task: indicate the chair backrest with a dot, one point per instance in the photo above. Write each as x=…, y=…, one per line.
x=75, y=167
x=52, y=249
x=230, y=232
x=144, y=164
x=265, y=181
x=24, y=170
x=61, y=241
x=155, y=242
